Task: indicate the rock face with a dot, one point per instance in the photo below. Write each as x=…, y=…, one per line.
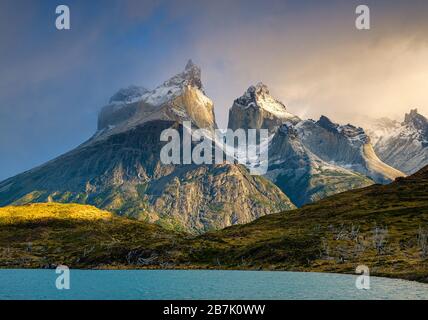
x=346, y=146
x=119, y=168
x=122, y=106
x=257, y=109
x=402, y=145
x=304, y=176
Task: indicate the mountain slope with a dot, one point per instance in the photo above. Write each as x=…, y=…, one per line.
x=124, y=174
x=402, y=145
x=119, y=168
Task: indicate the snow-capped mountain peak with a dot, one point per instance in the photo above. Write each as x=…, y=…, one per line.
x=180, y=98
x=257, y=109
x=354, y=134
x=380, y=128
x=416, y=120
x=327, y=124
x=190, y=77
x=345, y=145
x=128, y=95
x=414, y=126
x=259, y=96
x=402, y=145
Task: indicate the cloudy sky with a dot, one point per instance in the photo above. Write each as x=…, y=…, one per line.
x=53, y=83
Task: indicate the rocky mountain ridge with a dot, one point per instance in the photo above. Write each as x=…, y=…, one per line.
x=303, y=175
x=346, y=146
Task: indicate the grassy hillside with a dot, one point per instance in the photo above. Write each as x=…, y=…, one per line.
x=45, y=235
x=383, y=227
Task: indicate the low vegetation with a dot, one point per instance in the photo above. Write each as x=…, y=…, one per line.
x=383, y=227
x=48, y=234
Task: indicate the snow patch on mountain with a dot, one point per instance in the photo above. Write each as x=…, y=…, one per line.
x=170, y=89
x=181, y=98
x=380, y=128
x=128, y=95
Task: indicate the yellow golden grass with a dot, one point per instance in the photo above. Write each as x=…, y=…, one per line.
x=49, y=211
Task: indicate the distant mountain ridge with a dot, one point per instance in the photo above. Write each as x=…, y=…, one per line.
x=309, y=159
x=402, y=145
x=346, y=146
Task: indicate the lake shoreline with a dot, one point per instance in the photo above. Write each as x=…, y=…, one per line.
x=412, y=278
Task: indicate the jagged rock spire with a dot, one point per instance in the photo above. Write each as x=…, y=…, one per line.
x=192, y=73
x=259, y=89
x=253, y=94
x=191, y=76
x=416, y=119
x=189, y=65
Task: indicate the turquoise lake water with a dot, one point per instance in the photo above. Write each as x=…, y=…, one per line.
x=192, y=284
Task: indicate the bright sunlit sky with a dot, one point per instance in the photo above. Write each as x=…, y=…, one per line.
x=53, y=83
